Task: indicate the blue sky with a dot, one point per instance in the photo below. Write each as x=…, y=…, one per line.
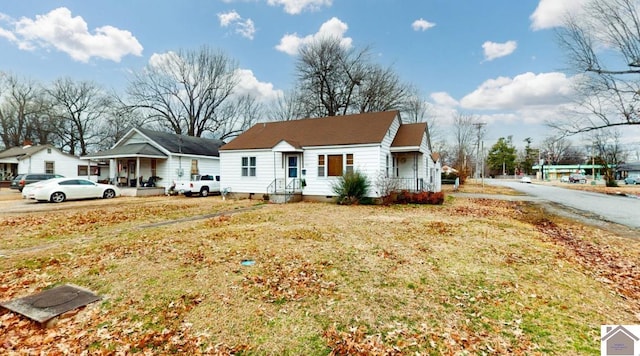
x=497, y=59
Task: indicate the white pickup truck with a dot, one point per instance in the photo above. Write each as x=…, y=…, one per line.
x=201, y=184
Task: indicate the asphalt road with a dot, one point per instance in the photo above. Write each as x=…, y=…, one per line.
x=610, y=208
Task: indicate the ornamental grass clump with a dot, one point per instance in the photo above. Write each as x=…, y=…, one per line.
x=352, y=188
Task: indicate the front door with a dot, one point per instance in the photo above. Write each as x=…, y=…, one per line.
x=293, y=171
x=132, y=174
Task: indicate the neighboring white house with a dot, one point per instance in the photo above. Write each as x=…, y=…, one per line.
x=307, y=156
x=143, y=155
x=47, y=159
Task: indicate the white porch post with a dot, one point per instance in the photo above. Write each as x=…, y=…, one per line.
x=137, y=172
x=112, y=171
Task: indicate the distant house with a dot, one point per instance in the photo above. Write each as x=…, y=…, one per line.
x=144, y=155
x=305, y=157
x=631, y=169
x=46, y=159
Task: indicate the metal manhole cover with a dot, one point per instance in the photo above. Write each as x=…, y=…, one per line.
x=51, y=303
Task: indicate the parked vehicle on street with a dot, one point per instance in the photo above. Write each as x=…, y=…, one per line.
x=525, y=179
x=577, y=178
x=21, y=180
x=57, y=190
x=564, y=179
x=632, y=180
x=200, y=184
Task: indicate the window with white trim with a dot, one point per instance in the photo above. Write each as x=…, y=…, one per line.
x=349, y=166
x=248, y=166
x=321, y=165
x=49, y=167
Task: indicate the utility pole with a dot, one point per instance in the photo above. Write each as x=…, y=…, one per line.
x=478, y=126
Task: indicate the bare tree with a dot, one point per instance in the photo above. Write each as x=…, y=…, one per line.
x=185, y=90
x=608, y=88
x=415, y=110
x=328, y=74
x=286, y=107
x=334, y=80
x=119, y=119
x=22, y=113
x=380, y=90
x=235, y=116
x=556, y=150
x=79, y=108
x=607, y=152
x=464, y=132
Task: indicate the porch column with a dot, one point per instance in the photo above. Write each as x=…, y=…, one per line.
x=137, y=172
x=112, y=171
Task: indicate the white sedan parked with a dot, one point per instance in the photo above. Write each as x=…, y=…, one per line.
x=60, y=189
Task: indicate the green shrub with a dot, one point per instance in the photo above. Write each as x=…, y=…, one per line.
x=351, y=188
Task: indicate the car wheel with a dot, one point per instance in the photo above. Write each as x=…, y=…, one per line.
x=204, y=192
x=109, y=193
x=58, y=197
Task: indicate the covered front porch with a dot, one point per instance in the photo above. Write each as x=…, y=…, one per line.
x=135, y=169
x=288, y=181
x=409, y=172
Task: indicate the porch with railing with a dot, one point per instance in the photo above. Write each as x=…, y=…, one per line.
x=283, y=190
x=409, y=184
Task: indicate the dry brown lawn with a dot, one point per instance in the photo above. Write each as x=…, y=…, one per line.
x=472, y=275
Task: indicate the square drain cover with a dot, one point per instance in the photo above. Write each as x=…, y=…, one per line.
x=50, y=303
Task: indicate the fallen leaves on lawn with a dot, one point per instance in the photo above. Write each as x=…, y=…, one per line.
x=290, y=281
x=609, y=267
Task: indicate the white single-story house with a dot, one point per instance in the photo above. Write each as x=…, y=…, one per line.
x=144, y=156
x=47, y=159
x=305, y=157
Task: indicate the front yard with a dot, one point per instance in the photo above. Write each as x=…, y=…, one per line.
x=473, y=275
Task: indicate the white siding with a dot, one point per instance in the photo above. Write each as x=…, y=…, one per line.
x=231, y=171
x=366, y=159
x=64, y=164
x=385, y=147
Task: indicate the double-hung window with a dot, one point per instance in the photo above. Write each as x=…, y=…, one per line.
x=349, y=166
x=321, y=166
x=248, y=166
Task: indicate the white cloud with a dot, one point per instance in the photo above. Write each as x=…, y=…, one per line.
x=8, y=35
x=422, y=25
x=58, y=29
x=295, y=7
x=291, y=43
x=493, y=50
x=524, y=90
x=244, y=28
x=249, y=84
x=444, y=99
x=228, y=18
x=551, y=13
x=164, y=60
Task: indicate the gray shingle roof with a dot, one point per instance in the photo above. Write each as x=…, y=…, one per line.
x=133, y=149
x=22, y=151
x=184, y=144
